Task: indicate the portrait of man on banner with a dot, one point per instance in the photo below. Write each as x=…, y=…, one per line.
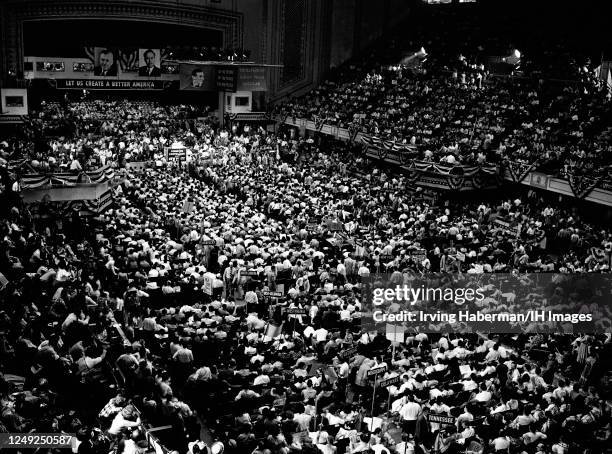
x=149, y=63
x=105, y=62
x=196, y=77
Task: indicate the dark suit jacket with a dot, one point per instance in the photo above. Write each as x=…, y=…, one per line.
x=422, y=434
x=111, y=72
x=144, y=71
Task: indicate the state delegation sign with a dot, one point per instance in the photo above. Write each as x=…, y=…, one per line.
x=376, y=371
x=273, y=294
x=441, y=419
x=389, y=381
x=295, y=311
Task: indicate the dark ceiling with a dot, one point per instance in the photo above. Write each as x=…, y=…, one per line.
x=66, y=38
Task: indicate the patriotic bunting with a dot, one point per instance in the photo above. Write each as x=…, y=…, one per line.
x=447, y=169
x=582, y=185
x=455, y=178
x=35, y=180
x=519, y=170
x=84, y=207
x=319, y=122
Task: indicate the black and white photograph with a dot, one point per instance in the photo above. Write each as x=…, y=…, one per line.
x=149, y=63
x=106, y=62
x=305, y=227
x=197, y=77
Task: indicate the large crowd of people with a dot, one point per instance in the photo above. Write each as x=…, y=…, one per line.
x=86, y=135
x=218, y=305
x=454, y=119
x=453, y=106
x=171, y=309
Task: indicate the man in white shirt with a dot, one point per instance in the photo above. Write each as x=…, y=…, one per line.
x=493, y=354
x=438, y=407
x=500, y=444
x=75, y=166
x=379, y=448
x=406, y=446
x=464, y=417
x=483, y=395
x=125, y=419
x=262, y=379
x=308, y=331
x=302, y=420
x=470, y=384
x=443, y=343
x=410, y=412
x=343, y=368
x=320, y=335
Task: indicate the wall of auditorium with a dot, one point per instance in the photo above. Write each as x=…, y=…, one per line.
x=343, y=30
x=306, y=37
x=372, y=20
x=355, y=24
x=316, y=35
x=226, y=16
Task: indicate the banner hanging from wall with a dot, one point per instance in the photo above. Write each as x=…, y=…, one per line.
x=149, y=62
x=227, y=78
x=252, y=78
x=582, y=185
x=83, y=207
x=447, y=177
x=519, y=170
x=132, y=64
x=197, y=77
x=37, y=180
x=108, y=84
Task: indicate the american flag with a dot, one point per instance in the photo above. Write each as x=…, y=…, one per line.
x=128, y=59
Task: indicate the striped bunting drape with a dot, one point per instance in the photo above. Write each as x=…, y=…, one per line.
x=36, y=180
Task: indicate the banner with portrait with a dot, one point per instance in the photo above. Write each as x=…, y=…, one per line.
x=146, y=62
x=197, y=77
x=106, y=61
x=149, y=62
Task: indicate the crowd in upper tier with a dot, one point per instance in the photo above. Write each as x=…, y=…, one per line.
x=455, y=107
x=155, y=312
